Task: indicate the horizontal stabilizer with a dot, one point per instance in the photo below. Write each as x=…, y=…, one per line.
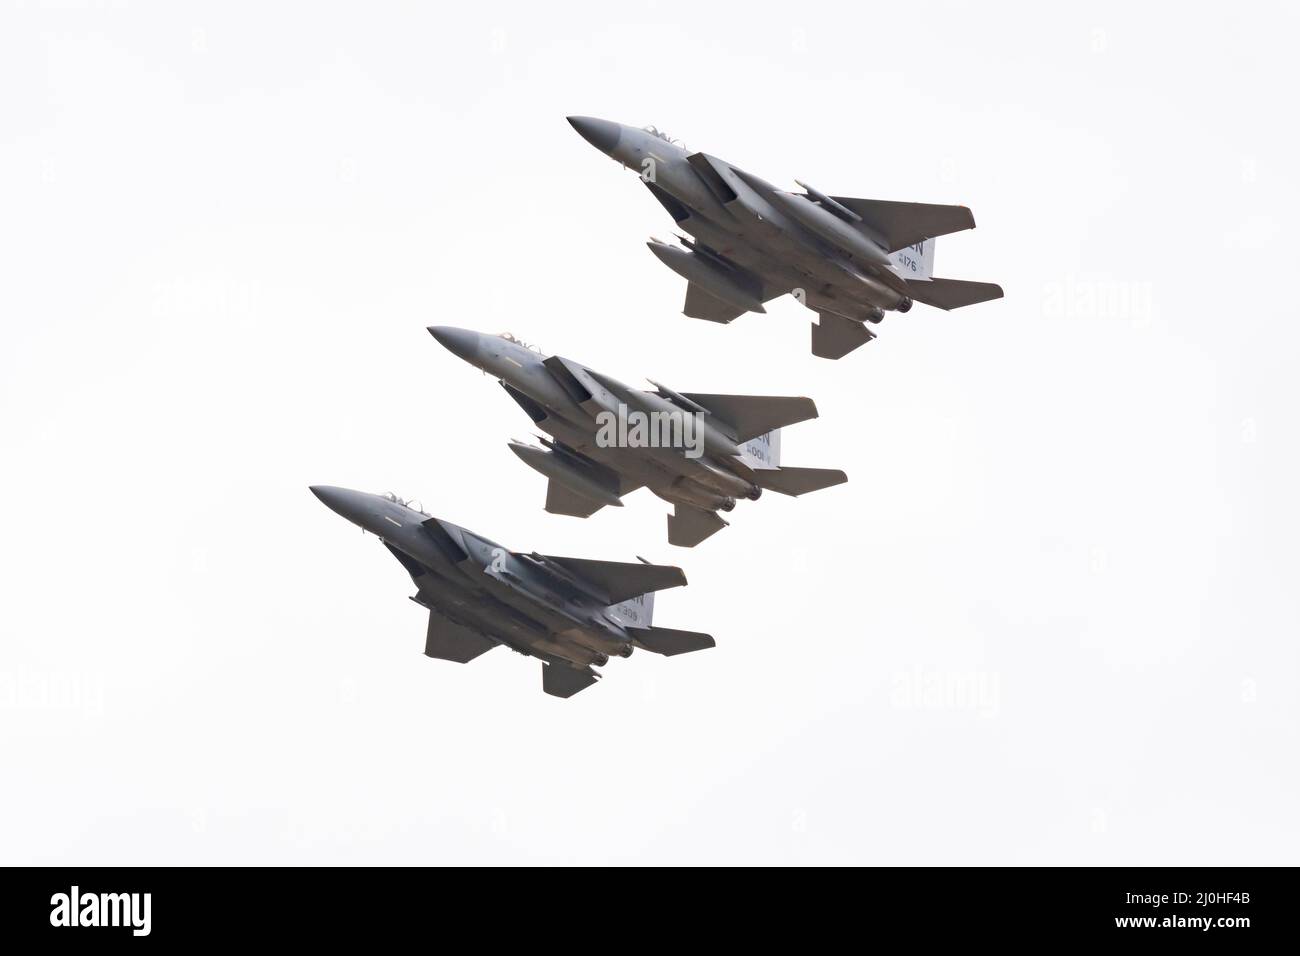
x=666, y=641
x=616, y=581
x=902, y=224
x=752, y=415
x=953, y=293
x=799, y=481
x=449, y=641
x=688, y=526
x=834, y=336
x=560, y=680
x=702, y=305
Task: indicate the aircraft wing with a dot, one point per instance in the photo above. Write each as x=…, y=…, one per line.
x=752, y=415
x=449, y=641
x=903, y=224
x=591, y=485
x=445, y=639
x=701, y=305
x=564, y=500
x=618, y=581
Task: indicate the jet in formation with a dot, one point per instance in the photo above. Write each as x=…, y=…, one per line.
x=699, y=452
x=849, y=260
x=571, y=613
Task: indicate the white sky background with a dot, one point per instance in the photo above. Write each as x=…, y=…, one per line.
x=1052, y=618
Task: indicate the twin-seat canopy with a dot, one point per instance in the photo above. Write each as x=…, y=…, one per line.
x=411, y=503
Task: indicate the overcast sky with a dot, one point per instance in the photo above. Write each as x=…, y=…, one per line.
x=1052, y=617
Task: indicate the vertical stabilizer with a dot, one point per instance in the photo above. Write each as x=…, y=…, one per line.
x=915, y=261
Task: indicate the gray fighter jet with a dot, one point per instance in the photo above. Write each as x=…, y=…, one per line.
x=849, y=260
x=572, y=613
x=698, y=452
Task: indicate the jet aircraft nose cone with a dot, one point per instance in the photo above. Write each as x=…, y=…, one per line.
x=461, y=342
x=323, y=492
x=344, y=502
x=600, y=133
x=333, y=498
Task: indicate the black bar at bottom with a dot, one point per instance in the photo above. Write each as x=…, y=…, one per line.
x=640, y=907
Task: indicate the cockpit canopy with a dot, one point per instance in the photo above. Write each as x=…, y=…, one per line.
x=509, y=337
x=412, y=503
x=656, y=131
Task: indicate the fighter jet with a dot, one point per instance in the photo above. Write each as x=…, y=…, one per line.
x=699, y=452
x=849, y=260
x=572, y=613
